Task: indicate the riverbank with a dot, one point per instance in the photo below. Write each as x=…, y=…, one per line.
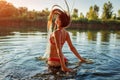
x=96, y=25
x=17, y=24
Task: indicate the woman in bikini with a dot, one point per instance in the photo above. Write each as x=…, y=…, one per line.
x=58, y=37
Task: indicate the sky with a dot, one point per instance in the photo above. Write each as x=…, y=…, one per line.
x=82, y=5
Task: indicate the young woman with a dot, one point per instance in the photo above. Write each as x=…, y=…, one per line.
x=58, y=37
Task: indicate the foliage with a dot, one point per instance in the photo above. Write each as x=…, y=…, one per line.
x=93, y=13
x=118, y=14
x=107, y=10
x=81, y=16
x=75, y=14
x=7, y=10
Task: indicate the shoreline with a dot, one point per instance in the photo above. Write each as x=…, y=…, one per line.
x=16, y=25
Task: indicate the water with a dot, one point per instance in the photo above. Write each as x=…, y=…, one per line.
x=18, y=52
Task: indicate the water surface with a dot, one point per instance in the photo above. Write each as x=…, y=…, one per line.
x=18, y=52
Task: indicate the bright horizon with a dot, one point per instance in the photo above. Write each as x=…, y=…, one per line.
x=82, y=5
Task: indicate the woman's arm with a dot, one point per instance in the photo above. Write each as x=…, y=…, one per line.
x=73, y=49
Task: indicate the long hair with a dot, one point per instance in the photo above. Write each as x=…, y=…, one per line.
x=63, y=16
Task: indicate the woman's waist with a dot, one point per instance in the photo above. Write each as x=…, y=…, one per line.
x=53, y=51
x=57, y=59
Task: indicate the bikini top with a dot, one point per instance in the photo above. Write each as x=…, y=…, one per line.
x=52, y=40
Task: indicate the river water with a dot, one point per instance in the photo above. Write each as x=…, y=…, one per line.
x=18, y=52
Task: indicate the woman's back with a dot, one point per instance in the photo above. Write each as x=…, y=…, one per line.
x=61, y=34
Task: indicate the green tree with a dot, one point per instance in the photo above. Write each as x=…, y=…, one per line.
x=96, y=10
x=107, y=10
x=113, y=16
x=75, y=14
x=119, y=14
x=93, y=13
x=81, y=16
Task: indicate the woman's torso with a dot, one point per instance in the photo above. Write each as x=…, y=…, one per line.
x=53, y=50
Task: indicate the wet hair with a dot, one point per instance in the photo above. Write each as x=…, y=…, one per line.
x=62, y=15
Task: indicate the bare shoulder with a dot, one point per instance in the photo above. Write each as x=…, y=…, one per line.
x=67, y=34
x=56, y=33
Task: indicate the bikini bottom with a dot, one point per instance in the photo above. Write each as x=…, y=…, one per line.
x=55, y=69
x=56, y=59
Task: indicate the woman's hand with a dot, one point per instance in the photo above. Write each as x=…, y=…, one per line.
x=65, y=69
x=82, y=60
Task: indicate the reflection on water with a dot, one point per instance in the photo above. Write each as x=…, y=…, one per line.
x=18, y=52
